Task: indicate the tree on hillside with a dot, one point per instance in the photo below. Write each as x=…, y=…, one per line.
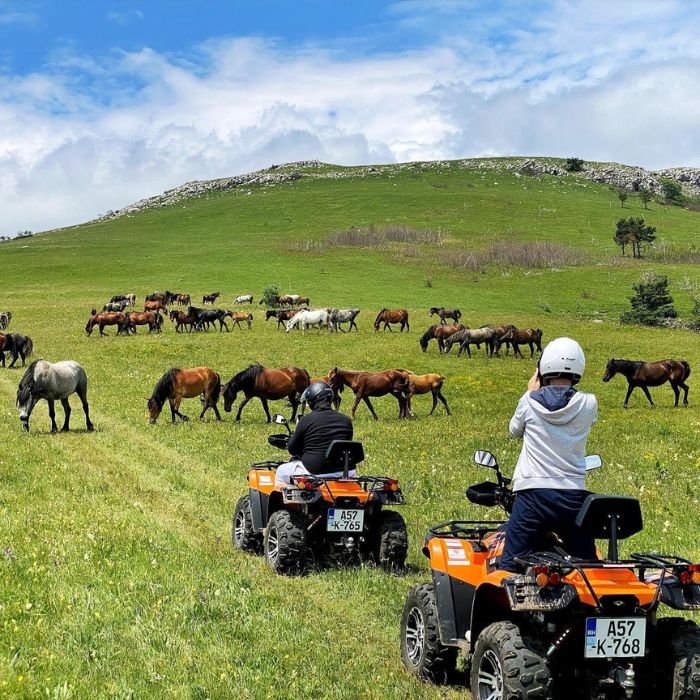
x=635, y=233
x=270, y=295
x=622, y=195
x=652, y=303
x=646, y=196
x=673, y=192
x=574, y=165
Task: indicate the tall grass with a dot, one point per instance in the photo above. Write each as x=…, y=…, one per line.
x=526, y=254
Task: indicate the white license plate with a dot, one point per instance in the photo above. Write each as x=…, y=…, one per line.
x=615, y=637
x=345, y=520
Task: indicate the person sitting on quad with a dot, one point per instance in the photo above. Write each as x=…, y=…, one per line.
x=553, y=420
x=314, y=433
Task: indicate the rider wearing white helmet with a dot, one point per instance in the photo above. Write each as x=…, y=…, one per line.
x=553, y=419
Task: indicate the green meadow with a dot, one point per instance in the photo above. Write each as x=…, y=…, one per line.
x=117, y=576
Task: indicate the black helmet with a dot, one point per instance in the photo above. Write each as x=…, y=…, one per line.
x=316, y=394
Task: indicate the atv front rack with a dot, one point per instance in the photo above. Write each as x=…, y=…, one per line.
x=269, y=464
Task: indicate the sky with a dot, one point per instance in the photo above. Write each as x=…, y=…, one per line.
x=105, y=102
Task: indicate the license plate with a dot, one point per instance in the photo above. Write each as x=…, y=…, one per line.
x=615, y=637
x=345, y=520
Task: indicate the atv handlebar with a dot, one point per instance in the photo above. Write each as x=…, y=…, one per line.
x=279, y=440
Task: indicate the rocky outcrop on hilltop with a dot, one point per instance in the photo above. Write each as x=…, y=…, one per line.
x=612, y=174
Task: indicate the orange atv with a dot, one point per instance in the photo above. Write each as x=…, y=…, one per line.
x=341, y=520
x=564, y=627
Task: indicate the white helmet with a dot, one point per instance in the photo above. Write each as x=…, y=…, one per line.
x=563, y=357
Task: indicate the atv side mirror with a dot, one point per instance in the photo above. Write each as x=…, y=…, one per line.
x=485, y=459
x=593, y=462
x=279, y=419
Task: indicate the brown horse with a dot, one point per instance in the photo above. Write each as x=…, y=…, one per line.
x=444, y=314
x=268, y=385
x=155, y=306
x=303, y=301
x=468, y=337
x=183, y=320
x=521, y=336
x=282, y=316
x=500, y=331
x=366, y=384
x=644, y=374
x=177, y=384
x=387, y=316
x=336, y=400
x=425, y=384
x=239, y=316
x=210, y=298
x=183, y=299
x=153, y=320
x=116, y=318
x=440, y=333
x=285, y=300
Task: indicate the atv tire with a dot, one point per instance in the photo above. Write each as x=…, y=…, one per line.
x=285, y=545
x=243, y=536
x=509, y=665
x=389, y=541
x=422, y=652
x=677, y=659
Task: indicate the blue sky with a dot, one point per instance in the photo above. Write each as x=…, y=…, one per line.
x=102, y=103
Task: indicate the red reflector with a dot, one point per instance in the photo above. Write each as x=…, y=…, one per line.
x=685, y=577
x=391, y=485
x=540, y=569
x=693, y=568
x=554, y=579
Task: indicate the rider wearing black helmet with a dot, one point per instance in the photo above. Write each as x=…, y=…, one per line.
x=314, y=433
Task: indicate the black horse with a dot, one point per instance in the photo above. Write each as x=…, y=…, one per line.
x=17, y=346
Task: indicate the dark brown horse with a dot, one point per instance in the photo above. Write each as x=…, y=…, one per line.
x=366, y=384
x=16, y=346
x=500, y=331
x=282, y=316
x=183, y=299
x=116, y=318
x=387, y=316
x=444, y=314
x=440, y=333
x=644, y=374
x=268, y=385
x=210, y=298
x=183, y=320
x=521, y=336
x=303, y=301
x=177, y=384
x=285, y=300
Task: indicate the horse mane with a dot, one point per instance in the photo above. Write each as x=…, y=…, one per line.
x=428, y=335
x=26, y=384
x=621, y=365
x=379, y=315
x=245, y=379
x=164, y=386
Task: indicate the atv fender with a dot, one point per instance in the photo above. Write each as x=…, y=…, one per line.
x=490, y=605
x=454, y=599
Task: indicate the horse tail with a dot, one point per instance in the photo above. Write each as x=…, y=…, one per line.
x=29, y=348
x=686, y=369
x=216, y=390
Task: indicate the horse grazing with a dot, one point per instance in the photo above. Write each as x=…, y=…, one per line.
x=440, y=333
x=116, y=318
x=155, y=306
x=387, y=316
x=282, y=316
x=5, y=318
x=267, y=385
x=370, y=384
x=468, y=337
x=521, y=336
x=115, y=305
x=153, y=320
x=243, y=299
x=17, y=346
x=444, y=314
x=644, y=374
x=182, y=320
x=425, y=384
x=210, y=298
x=183, y=299
x=338, y=316
x=177, y=384
x=239, y=316
x=306, y=318
x=51, y=381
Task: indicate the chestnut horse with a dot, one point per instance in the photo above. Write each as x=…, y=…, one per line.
x=366, y=384
x=183, y=320
x=444, y=314
x=268, y=385
x=155, y=306
x=425, y=384
x=643, y=374
x=521, y=336
x=177, y=384
x=387, y=316
x=282, y=316
x=239, y=316
x=440, y=333
x=116, y=318
x=153, y=320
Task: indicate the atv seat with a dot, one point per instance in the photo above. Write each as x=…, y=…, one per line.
x=344, y=454
x=610, y=517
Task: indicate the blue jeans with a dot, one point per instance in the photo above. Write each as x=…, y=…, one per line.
x=537, y=512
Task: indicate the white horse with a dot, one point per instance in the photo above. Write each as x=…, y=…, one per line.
x=244, y=299
x=293, y=297
x=131, y=299
x=52, y=381
x=5, y=318
x=338, y=316
x=305, y=318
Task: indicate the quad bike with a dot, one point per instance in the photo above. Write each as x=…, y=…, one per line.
x=564, y=627
x=340, y=520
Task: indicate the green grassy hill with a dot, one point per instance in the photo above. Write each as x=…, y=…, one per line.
x=117, y=573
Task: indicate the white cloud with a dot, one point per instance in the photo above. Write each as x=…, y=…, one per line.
x=595, y=80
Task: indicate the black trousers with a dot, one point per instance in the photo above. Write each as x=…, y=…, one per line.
x=537, y=512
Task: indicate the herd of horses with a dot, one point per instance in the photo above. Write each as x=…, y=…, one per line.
x=493, y=337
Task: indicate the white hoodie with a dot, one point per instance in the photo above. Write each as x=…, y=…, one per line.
x=554, y=442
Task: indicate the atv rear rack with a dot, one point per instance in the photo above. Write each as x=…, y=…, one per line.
x=466, y=529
